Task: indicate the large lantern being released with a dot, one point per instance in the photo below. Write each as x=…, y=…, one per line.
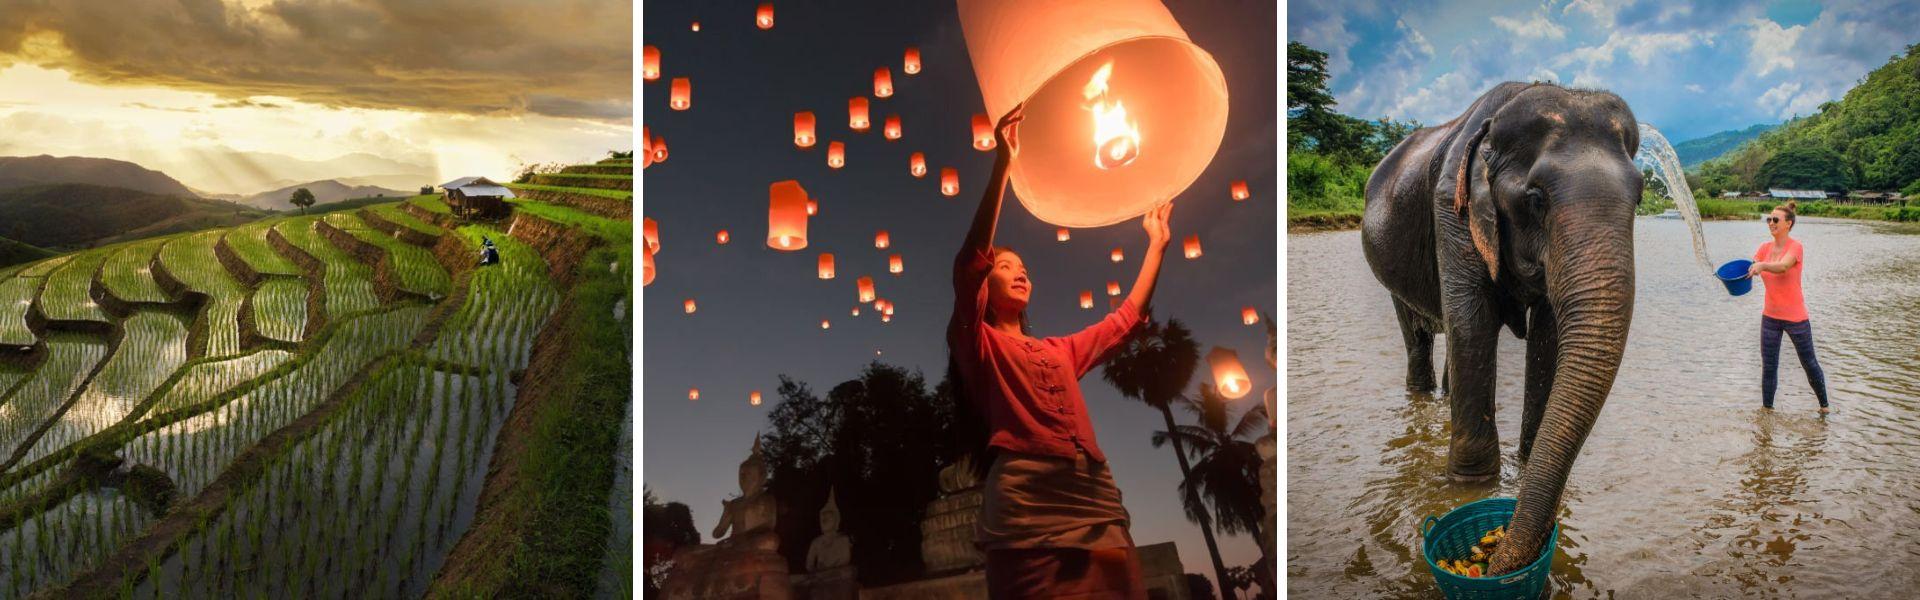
x=892, y=128
x=917, y=165
x=690, y=306
x=650, y=63
x=1086, y=299
x=1113, y=288
x=894, y=265
x=911, y=64
x=1239, y=190
x=1228, y=375
x=803, y=135
x=651, y=230
x=982, y=133
x=1122, y=111
x=865, y=286
x=857, y=119
x=949, y=181
x=682, y=97
x=881, y=240
x=882, y=83
x=1192, y=246
x=836, y=155
x=1062, y=235
x=1248, y=316
x=763, y=18
x=826, y=265
x=786, y=216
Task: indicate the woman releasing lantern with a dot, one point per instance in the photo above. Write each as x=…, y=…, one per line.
x=1052, y=523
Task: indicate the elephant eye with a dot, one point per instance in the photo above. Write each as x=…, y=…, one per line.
x=1537, y=198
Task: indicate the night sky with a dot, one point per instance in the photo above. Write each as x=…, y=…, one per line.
x=759, y=310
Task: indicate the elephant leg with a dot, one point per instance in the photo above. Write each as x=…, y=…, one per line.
x=1419, y=340
x=1543, y=353
x=1472, y=344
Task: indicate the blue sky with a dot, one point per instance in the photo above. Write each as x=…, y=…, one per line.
x=1688, y=68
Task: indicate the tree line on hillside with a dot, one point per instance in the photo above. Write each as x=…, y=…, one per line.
x=1329, y=155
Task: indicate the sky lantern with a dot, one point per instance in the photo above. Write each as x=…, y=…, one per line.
x=886, y=318
x=982, y=132
x=646, y=269
x=865, y=285
x=659, y=147
x=894, y=265
x=1228, y=375
x=917, y=165
x=881, y=240
x=690, y=306
x=650, y=63
x=754, y=398
x=1123, y=111
x=696, y=26
x=1117, y=255
x=1192, y=246
x=1086, y=298
x=1113, y=288
x=693, y=393
x=651, y=230
x=826, y=265
x=813, y=207
x=646, y=147
x=786, y=216
x=882, y=83
x=1062, y=234
x=803, y=135
x=763, y=18
x=1239, y=190
x=892, y=128
x=721, y=237
x=825, y=325
x=949, y=181
x=911, y=63
x=856, y=310
x=836, y=155
x=886, y=312
x=1248, y=316
x=682, y=97
x=857, y=118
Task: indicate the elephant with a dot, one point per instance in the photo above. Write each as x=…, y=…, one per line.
x=1517, y=214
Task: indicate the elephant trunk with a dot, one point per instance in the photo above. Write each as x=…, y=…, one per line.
x=1590, y=285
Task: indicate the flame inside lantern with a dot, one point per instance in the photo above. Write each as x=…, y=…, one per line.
x=1116, y=139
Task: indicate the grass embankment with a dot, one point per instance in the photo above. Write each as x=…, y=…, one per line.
x=1718, y=209
x=1323, y=193
x=17, y=253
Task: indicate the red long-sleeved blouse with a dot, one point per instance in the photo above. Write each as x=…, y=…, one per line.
x=1029, y=389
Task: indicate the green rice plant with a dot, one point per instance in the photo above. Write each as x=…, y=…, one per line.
x=413, y=268
x=65, y=539
x=432, y=203
x=348, y=282
x=506, y=305
x=603, y=193
x=191, y=260
x=249, y=242
x=202, y=382
x=45, y=267
x=393, y=214
x=16, y=298
x=280, y=309
x=68, y=294
x=70, y=356
x=153, y=346
x=128, y=273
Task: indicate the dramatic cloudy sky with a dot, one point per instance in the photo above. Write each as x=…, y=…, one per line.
x=1688, y=68
x=455, y=86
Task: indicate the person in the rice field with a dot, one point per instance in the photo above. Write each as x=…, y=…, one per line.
x=1052, y=524
x=488, y=253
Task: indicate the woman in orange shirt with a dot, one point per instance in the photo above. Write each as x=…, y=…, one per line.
x=1777, y=263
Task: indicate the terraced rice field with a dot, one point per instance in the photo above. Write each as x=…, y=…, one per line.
x=199, y=439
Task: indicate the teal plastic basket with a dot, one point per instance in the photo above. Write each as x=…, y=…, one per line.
x=1452, y=535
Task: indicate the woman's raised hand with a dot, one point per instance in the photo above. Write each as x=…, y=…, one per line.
x=1155, y=222
x=1008, y=131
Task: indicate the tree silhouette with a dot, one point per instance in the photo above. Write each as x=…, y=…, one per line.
x=301, y=198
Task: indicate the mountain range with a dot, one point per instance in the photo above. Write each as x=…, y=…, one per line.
x=1698, y=150
x=324, y=192
x=26, y=171
x=220, y=170
x=79, y=215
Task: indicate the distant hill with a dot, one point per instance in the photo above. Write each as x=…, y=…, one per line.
x=1698, y=150
x=13, y=253
x=324, y=192
x=26, y=171
x=223, y=170
x=1869, y=139
x=71, y=215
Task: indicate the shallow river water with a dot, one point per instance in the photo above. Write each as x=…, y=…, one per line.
x=1685, y=488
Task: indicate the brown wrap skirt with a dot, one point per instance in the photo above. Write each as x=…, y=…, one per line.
x=1055, y=528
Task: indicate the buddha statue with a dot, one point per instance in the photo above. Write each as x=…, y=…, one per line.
x=832, y=549
x=745, y=563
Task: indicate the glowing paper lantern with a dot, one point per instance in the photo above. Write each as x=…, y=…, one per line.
x=857, y=114
x=1162, y=101
x=753, y=398
x=1062, y=235
x=886, y=312
x=836, y=155
x=911, y=63
x=659, y=147
x=650, y=63
x=982, y=133
x=803, y=129
x=690, y=306
x=1113, y=288
x=693, y=393
x=1118, y=256
x=1192, y=246
x=892, y=128
x=763, y=18
x=886, y=318
x=813, y=207
x=894, y=265
x=949, y=182
x=856, y=311
x=826, y=265
x=865, y=286
x=1248, y=316
x=1228, y=376
x=646, y=147
x=1086, y=299
x=882, y=83
x=1239, y=190
x=824, y=324
x=917, y=165
x=652, y=233
x=722, y=238
x=682, y=97
x=696, y=26
x=786, y=216
x=646, y=269
x=881, y=240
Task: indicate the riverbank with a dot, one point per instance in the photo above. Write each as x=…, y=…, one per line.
x=1304, y=220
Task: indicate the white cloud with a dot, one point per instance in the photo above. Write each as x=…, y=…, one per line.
x=1602, y=11
x=1773, y=46
x=1537, y=27
x=1641, y=47
x=1325, y=29
x=1400, y=71
x=1695, y=88
x=1787, y=100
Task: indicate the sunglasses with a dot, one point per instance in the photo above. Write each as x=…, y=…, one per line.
x=1772, y=220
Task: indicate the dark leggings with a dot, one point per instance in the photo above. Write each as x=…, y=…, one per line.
x=1802, y=334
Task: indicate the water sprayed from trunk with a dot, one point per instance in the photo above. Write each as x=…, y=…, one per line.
x=1658, y=154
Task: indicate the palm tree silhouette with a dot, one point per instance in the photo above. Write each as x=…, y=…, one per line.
x=1153, y=368
x=1226, y=468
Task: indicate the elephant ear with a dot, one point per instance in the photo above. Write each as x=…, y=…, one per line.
x=1473, y=194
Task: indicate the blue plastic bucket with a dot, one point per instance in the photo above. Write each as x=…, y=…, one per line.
x=1734, y=276
x=1452, y=535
